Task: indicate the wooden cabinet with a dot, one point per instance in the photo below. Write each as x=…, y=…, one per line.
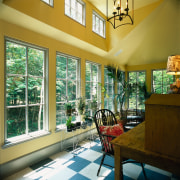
x=162, y=124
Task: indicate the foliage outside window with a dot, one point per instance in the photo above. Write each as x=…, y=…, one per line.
x=76, y=10
x=99, y=24
x=26, y=95
x=67, y=85
x=120, y=88
x=161, y=81
x=50, y=2
x=134, y=99
x=109, y=87
x=92, y=85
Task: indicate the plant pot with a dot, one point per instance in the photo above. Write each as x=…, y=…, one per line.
x=84, y=125
x=78, y=125
x=69, y=129
x=73, y=126
x=88, y=121
x=68, y=112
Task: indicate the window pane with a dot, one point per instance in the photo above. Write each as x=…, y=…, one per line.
x=47, y=1
x=15, y=122
x=35, y=90
x=76, y=10
x=71, y=90
x=60, y=115
x=22, y=86
x=88, y=90
x=35, y=59
x=15, y=91
x=161, y=81
x=94, y=73
x=137, y=78
x=66, y=84
x=98, y=24
x=106, y=103
x=60, y=91
x=35, y=118
x=88, y=72
x=72, y=67
x=94, y=88
x=61, y=64
x=15, y=59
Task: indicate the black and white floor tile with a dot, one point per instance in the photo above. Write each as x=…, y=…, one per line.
x=83, y=165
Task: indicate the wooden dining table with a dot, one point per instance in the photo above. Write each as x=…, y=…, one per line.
x=132, y=145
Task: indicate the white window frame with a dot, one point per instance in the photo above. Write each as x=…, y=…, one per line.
x=97, y=82
x=62, y=125
x=162, y=84
x=38, y=133
x=76, y=11
x=137, y=77
x=49, y=2
x=107, y=91
x=95, y=29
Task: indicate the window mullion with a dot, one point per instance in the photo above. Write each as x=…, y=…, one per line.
x=27, y=108
x=137, y=78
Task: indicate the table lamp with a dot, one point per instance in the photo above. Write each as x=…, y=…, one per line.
x=173, y=68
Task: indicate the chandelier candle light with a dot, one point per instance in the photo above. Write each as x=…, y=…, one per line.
x=121, y=15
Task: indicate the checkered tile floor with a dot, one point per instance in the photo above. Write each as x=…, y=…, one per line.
x=84, y=166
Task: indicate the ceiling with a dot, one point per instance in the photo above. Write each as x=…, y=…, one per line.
x=101, y=4
x=153, y=37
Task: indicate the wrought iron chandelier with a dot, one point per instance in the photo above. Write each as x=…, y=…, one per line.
x=121, y=15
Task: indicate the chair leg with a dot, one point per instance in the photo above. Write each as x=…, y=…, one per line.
x=102, y=160
x=143, y=171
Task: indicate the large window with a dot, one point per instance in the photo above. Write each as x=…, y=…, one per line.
x=137, y=78
x=99, y=24
x=92, y=84
x=26, y=89
x=67, y=84
x=76, y=10
x=50, y=2
x=161, y=81
x=109, y=91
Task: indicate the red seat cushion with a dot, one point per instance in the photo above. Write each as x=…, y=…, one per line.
x=114, y=130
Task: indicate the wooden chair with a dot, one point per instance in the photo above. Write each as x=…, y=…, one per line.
x=105, y=117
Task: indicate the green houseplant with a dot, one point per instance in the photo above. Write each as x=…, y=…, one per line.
x=69, y=124
x=69, y=108
x=81, y=104
x=126, y=88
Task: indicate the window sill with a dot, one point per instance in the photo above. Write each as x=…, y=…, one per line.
x=23, y=138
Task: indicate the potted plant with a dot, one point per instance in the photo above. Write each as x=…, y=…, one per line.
x=81, y=104
x=70, y=125
x=126, y=87
x=69, y=108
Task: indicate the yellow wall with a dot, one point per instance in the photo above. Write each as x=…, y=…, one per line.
x=56, y=18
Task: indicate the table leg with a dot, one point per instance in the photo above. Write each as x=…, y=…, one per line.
x=118, y=164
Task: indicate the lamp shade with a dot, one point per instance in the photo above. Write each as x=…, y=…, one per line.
x=173, y=65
